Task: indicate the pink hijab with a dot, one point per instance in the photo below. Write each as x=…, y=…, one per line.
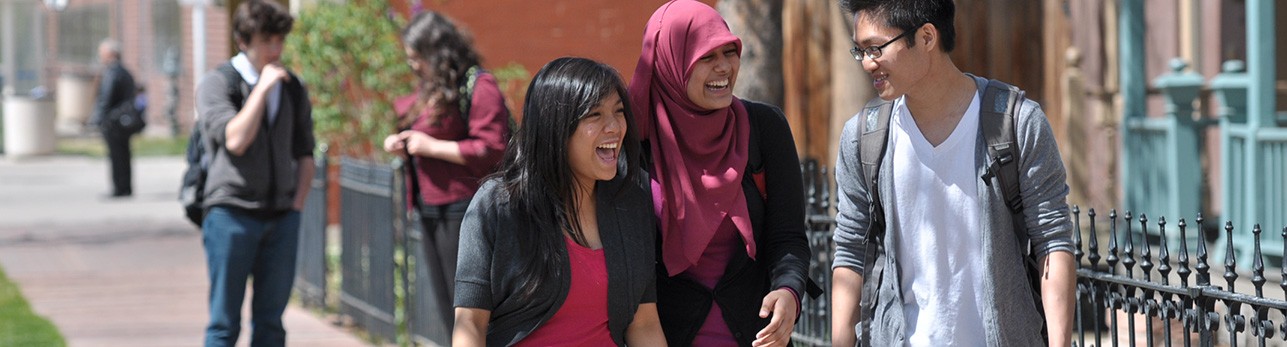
x=699, y=156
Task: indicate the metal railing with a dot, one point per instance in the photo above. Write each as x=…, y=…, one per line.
x=310, y=263
x=367, y=217
x=1187, y=306
x=814, y=326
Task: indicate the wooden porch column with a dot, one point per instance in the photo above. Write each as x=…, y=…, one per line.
x=1130, y=19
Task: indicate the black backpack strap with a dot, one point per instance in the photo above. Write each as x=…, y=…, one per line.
x=237, y=92
x=996, y=118
x=871, y=151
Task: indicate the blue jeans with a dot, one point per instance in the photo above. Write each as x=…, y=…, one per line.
x=239, y=246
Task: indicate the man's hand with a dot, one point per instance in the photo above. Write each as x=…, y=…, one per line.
x=781, y=304
x=272, y=74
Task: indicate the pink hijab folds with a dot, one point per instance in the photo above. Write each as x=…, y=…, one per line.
x=699, y=156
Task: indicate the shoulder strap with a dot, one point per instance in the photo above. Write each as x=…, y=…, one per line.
x=875, y=134
x=467, y=91
x=236, y=88
x=871, y=151
x=996, y=118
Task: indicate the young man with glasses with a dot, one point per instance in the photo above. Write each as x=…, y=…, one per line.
x=952, y=268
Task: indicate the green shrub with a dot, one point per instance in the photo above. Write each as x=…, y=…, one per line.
x=350, y=57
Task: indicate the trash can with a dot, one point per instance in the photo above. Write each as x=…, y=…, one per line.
x=28, y=126
x=75, y=102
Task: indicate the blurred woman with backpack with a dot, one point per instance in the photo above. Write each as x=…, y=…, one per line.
x=453, y=130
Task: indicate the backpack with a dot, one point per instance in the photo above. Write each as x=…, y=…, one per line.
x=997, y=121
x=192, y=189
x=467, y=97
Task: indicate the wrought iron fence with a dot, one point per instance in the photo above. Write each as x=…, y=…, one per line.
x=367, y=217
x=310, y=263
x=425, y=321
x=814, y=326
x=384, y=268
x=1189, y=310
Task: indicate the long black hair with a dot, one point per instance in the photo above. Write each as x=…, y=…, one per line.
x=536, y=175
x=447, y=50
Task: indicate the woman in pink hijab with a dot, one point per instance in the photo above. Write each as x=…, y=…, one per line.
x=726, y=185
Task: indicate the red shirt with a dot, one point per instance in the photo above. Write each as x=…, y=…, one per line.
x=482, y=141
x=583, y=318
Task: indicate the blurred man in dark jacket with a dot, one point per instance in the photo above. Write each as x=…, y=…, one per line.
x=116, y=88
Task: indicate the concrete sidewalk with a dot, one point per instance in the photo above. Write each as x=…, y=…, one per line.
x=128, y=272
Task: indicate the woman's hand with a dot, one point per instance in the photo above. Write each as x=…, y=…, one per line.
x=781, y=304
x=393, y=144
x=411, y=142
x=420, y=144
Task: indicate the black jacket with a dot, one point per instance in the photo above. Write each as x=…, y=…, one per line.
x=115, y=86
x=782, y=248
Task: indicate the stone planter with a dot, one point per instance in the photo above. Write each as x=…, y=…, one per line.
x=28, y=127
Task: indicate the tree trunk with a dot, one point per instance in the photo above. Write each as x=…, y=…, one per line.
x=759, y=24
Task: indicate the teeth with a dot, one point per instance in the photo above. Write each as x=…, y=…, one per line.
x=718, y=84
x=613, y=145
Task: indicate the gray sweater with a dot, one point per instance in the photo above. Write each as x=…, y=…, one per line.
x=264, y=178
x=487, y=268
x=1011, y=316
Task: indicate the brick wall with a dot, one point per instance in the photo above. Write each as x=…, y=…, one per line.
x=532, y=33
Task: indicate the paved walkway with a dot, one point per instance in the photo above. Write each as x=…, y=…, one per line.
x=127, y=272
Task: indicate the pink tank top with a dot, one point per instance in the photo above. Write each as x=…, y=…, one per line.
x=583, y=318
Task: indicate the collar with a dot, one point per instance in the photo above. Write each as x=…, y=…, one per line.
x=242, y=64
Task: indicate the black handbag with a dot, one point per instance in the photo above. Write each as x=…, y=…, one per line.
x=126, y=119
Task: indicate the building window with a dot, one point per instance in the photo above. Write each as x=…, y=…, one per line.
x=80, y=29
x=167, y=31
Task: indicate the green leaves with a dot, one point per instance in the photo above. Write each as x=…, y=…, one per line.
x=351, y=58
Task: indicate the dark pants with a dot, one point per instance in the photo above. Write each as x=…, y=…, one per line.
x=239, y=246
x=441, y=243
x=118, y=153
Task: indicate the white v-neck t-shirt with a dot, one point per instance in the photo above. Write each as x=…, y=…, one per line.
x=937, y=213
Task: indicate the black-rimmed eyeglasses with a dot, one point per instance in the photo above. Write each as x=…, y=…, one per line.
x=874, y=52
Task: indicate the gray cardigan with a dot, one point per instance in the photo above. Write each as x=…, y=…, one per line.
x=487, y=267
x=1011, y=317
x=264, y=178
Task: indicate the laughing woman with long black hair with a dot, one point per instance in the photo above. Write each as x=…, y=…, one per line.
x=558, y=247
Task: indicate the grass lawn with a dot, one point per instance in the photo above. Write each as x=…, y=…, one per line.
x=19, y=326
x=139, y=146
